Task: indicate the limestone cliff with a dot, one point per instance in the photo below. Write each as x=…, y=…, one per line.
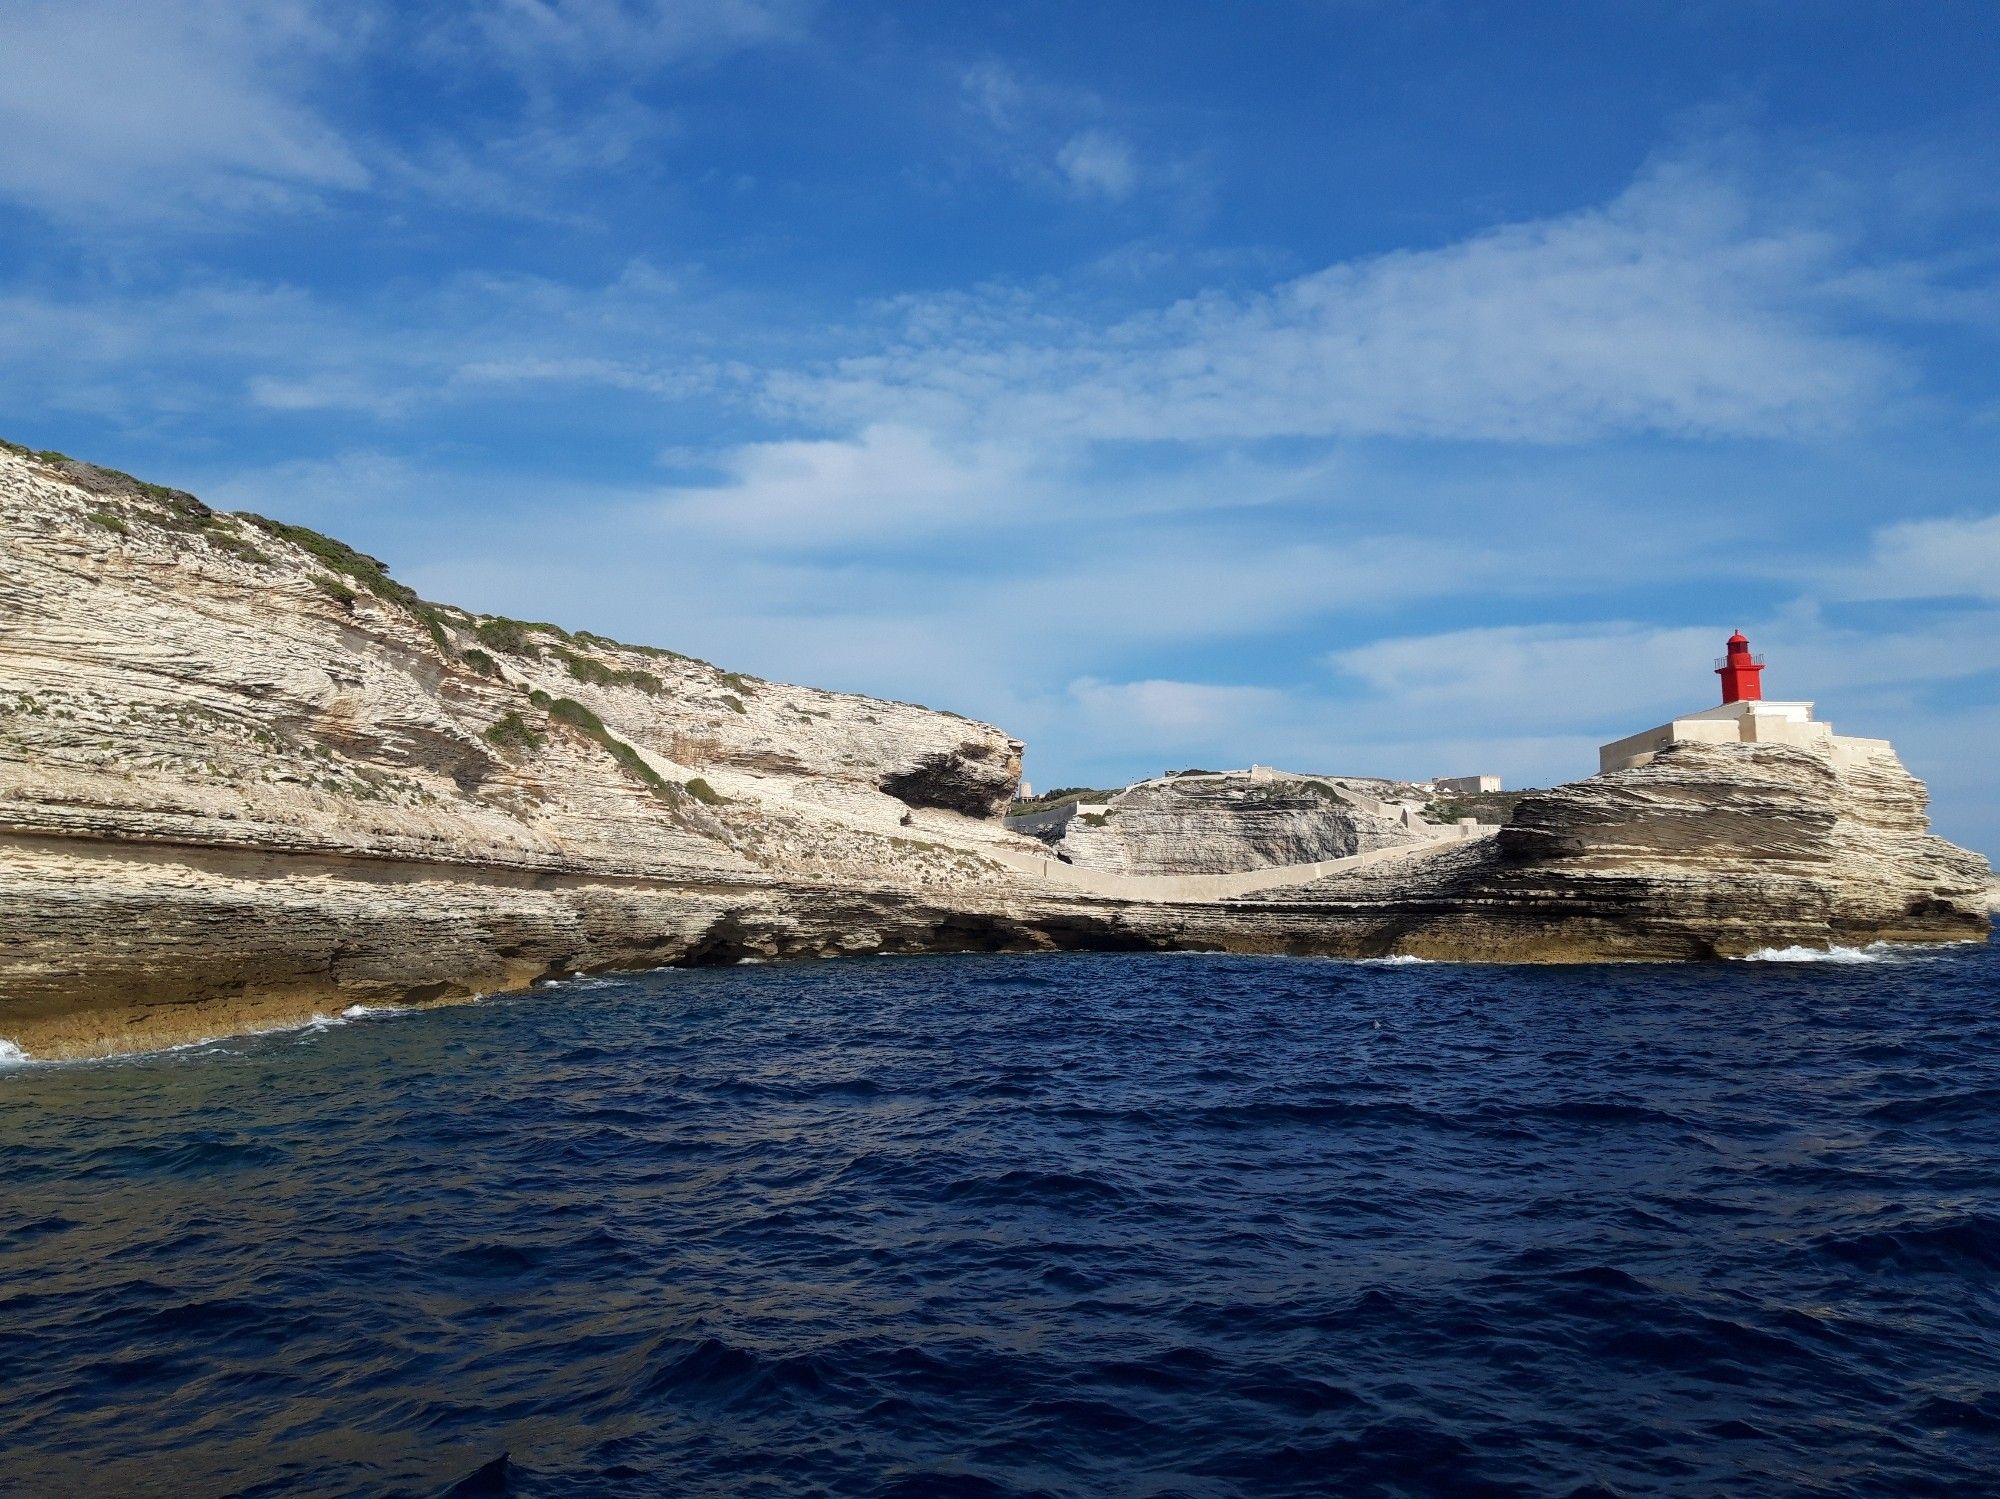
x=170, y=673
x=245, y=774
x=1708, y=851
x=1214, y=823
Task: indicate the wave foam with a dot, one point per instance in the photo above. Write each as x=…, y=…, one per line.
x=1397, y=960
x=11, y=1054
x=1874, y=953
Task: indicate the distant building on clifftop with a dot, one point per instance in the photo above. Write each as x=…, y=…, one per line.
x=1466, y=785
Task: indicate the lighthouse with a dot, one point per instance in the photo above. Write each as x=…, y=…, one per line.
x=1744, y=717
x=1742, y=673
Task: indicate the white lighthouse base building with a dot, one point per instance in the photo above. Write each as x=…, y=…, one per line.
x=1751, y=722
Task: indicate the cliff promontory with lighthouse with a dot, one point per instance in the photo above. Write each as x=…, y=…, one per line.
x=245, y=776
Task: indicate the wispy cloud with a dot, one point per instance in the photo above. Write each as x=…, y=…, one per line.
x=1097, y=162
x=1055, y=138
x=1173, y=714
x=1673, y=309
x=159, y=113
x=540, y=37
x=1545, y=677
x=143, y=352
x=151, y=110
x=889, y=483
x=1926, y=559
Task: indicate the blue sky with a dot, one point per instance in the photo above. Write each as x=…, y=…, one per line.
x=1372, y=387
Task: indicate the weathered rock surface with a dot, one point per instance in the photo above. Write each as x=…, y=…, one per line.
x=1219, y=823
x=244, y=776
x=1708, y=851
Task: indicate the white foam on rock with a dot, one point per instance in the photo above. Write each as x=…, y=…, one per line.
x=1877, y=953
x=11, y=1054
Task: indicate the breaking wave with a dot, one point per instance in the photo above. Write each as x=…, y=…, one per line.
x=1874, y=953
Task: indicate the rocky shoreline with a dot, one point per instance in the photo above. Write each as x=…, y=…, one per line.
x=245, y=776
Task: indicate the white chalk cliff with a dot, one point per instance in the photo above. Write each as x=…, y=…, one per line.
x=244, y=775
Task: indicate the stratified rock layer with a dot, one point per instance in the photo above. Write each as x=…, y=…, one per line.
x=244, y=776
x=1709, y=851
x=1207, y=823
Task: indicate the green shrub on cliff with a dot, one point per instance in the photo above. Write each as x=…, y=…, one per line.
x=568, y=710
x=516, y=636
x=339, y=592
x=590, y=669
x=337, y=557
x=511, y=731
x=1495, y=808
x=507, y=635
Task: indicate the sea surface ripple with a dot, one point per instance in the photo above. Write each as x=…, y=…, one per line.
x=1069, y=1225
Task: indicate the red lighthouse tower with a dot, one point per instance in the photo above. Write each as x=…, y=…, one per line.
x=1742, y=673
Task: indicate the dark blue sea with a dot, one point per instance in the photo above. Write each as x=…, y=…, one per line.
x=1069, y=1225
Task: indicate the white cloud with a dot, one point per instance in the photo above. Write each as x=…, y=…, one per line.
x=1098, y=164
x=203, y=344
x=157, y=111
x=1543, y=677
x=672, y=381
x=994, y=92
x=1672, y=309
x=888, y=483
x=1170, y=715
x=538, y=36
x=1047, y=137
x=1105, y=731
x=1927, y=559
x=326, y=491
x=152, y=109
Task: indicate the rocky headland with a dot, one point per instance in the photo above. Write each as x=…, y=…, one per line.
x=246, y=775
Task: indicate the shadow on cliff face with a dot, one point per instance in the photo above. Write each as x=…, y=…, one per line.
x=975, y=779
x=725, y=942
x=873, y=930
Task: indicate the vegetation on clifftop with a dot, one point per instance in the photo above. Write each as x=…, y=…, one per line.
x=350, y=573
x=511, y=731
x=1056, y=798
x=1492, y=807
x=590, y=669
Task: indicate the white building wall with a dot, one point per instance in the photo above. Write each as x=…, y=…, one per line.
x=1755, y=722
x=1466, y=785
